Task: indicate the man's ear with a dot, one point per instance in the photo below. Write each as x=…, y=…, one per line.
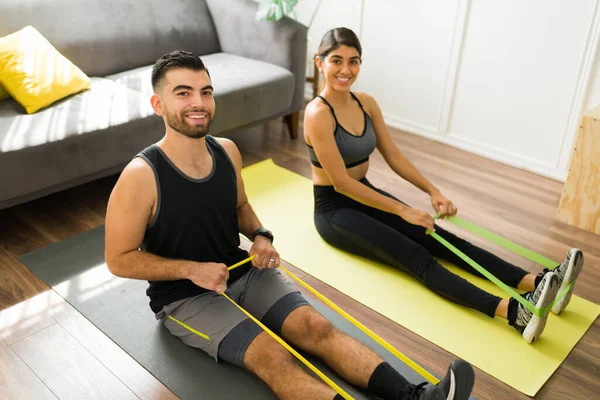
x=157, y=105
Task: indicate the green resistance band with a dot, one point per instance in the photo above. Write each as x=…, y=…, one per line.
x=499, y=240
x=540, y=312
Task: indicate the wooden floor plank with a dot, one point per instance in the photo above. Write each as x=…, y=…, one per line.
x=17, y=381
x=132, y=374
x=17, y=283
x=26, y=318
x=39, y=312
x=67, y=368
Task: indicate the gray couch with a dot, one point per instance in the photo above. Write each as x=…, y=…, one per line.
x=257, y=69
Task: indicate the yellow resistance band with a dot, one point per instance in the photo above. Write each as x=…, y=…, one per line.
x=189, y=328
x=328, y=381
x=366, y=330
x=356, y=323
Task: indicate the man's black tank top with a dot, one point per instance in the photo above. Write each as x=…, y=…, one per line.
x=196, y=219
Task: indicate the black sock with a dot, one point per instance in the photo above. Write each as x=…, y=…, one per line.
x=513, y=306
x=387, y=383
x=338, y=397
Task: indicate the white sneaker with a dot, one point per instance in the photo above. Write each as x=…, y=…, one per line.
x=566, y=273
x=526, y=322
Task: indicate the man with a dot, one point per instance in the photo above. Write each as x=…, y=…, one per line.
x=174, y=219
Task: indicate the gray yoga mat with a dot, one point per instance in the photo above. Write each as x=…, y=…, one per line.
x=75, y=269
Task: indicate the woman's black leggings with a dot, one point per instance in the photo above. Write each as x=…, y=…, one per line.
x=381, y=236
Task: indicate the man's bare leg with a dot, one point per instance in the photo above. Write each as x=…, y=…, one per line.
x=309, y=331
x=272, y=363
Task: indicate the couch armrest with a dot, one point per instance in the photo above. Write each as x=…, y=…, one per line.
x=282, y=43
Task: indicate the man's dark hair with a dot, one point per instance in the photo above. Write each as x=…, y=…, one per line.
x=175, y=59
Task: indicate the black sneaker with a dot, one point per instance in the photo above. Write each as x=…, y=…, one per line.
x=427, y=391
x=529, y=324
x=456, y=385
x=566, y=273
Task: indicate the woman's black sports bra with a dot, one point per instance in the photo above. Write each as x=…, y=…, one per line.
x=354, y=150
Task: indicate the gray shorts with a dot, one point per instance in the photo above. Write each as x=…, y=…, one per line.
x=266, y=294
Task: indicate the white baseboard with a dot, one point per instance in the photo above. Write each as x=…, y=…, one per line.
x=524, y=163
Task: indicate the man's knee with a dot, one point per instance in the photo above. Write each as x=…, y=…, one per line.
x=265, y=353
x=320, y=327
x=311, y=326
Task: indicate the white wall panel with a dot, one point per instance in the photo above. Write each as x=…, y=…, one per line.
x=593, y=91
x=517, y=78
x=505, y=79
x=406, y=54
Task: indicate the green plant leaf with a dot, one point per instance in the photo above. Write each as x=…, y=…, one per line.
x=274, y=10
x=271, y=15
x=278, y=12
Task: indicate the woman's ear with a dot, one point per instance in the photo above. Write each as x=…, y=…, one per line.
x=319, y=62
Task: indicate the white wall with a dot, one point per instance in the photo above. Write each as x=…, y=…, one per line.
x=517, y=80
x=505, y=79
x=593, y=93
x=331, y=14
x=406, y=53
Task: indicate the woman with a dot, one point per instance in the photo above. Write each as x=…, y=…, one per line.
x=341, y=130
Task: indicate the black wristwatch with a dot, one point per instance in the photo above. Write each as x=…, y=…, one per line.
x=262, y=232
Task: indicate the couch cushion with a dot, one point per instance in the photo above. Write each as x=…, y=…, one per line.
x=246, y=90
x=35, y=74
x=89, y=132
x=107, y=36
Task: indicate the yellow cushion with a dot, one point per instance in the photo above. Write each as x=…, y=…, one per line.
x=3, y=93
x=35, y=73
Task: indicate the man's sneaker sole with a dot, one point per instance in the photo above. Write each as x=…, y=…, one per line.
x=536, y=325
x=458, y=382
x=573, y=270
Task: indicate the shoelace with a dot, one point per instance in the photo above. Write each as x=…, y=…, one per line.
x=557, y=271
x=418, y=390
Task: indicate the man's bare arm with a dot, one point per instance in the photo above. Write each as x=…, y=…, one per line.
x=248, y=221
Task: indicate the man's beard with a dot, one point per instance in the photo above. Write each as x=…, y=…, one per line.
x=178, y=123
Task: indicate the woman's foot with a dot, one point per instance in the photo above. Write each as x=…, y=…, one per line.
x=566, y=273
x=456, y=385
x=527, y=323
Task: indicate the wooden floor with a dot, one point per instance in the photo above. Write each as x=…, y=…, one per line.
x=48, y=350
